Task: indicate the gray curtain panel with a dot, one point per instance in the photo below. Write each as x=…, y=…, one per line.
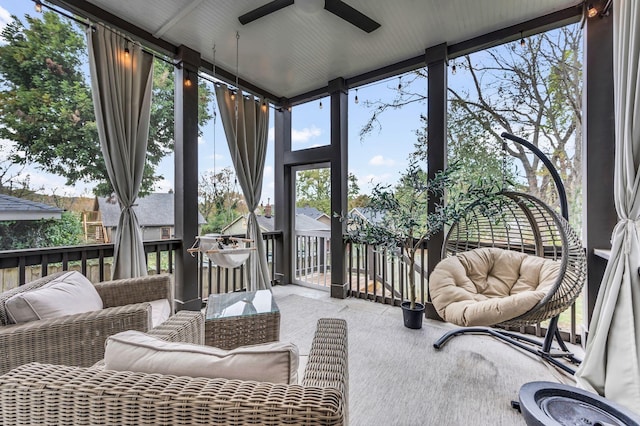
x=611, y=366
x=248, y=157
x=121, y=85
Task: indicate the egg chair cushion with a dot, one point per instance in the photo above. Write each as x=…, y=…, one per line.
x=487, y=286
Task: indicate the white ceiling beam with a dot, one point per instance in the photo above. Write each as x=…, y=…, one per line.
x=176, y=18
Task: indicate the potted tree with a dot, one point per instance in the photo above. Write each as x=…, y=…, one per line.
x=403, y=224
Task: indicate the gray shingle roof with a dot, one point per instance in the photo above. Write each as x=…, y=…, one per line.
x=14, y=208
x=306, y=223
x=303, y=223
x=152, y=210
x=312, y=212
x=371, y=215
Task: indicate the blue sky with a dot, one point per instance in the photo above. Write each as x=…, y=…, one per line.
x=378, y=158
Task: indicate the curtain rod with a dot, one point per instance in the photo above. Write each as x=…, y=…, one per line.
x=89, y=25
x=144, y=49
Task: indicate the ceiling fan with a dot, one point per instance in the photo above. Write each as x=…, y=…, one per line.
x=337, y=7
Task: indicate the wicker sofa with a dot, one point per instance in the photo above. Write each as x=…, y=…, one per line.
x=78, y=340
x=49, y=394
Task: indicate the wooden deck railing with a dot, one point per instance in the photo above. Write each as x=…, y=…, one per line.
x=375, y=274
x=18, y=267
x=312, y=265
x=215, y=280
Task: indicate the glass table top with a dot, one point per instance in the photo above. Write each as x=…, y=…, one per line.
x=240, y=304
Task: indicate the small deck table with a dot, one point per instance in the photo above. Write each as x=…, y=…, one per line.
x=242, y=318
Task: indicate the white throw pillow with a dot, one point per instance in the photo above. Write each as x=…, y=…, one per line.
x=68, y=294
x=160, y=311
x=275, y=362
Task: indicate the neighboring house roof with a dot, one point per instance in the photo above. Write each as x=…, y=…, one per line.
x=14, y=208
x=265, y=223
x=306, y=223
x=369, y=214
x=152, y=210
x=312, y=212
x=303, y=223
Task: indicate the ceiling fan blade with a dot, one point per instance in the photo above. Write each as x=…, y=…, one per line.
x=264, y=10
x=351, y=15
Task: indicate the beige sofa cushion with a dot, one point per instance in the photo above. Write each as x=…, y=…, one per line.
x=68, y=294
x=160, y=311
x=135, y=351
x=487, y=286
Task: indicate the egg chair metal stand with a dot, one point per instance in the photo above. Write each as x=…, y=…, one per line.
x=528, y=225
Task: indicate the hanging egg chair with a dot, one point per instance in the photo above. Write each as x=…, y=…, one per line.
x=510, y=261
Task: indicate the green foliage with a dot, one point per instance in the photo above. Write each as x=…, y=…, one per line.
x=67, y=231
x=402, y=221
x=533, y=91
x=219, y=201
x=46, y=106
x=313, y=189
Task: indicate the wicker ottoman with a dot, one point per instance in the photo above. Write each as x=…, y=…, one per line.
x=243, y=318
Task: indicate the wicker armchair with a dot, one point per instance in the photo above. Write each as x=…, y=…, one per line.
x=48, y=394
x=78, y=340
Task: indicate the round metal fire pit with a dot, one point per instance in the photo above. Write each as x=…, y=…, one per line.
x=555, y=404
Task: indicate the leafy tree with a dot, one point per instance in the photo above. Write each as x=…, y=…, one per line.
x=533, y=91
x=67, y=231
x=219, y=200
x=404, y=224
x=313, y=189
x=47, y=110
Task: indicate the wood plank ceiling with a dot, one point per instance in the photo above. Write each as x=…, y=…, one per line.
x=290, y=52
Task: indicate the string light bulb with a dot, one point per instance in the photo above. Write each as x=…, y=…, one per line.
x=289, y=108
x=233, y=96
x=522, y=42
x=126, y=52
x=320, y=105
x=187, y=80
x=264, y=105
x=38, y=6
x=453, y=69
x=592, y=12
x=356, y=99
x=399, y=83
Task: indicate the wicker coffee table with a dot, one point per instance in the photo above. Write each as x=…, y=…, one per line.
x=244, y=318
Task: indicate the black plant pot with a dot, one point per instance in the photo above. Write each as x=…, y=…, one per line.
x=412, y=317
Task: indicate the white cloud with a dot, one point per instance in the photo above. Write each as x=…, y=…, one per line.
x=201, y=140
x=379, y=160
x=163, y=186
x=267, y=192
x=5, y=148
x=50, y=184
x=216, y=157
x=5, y=18
x=304, y=135
x=299, y=136
x=371, y=179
